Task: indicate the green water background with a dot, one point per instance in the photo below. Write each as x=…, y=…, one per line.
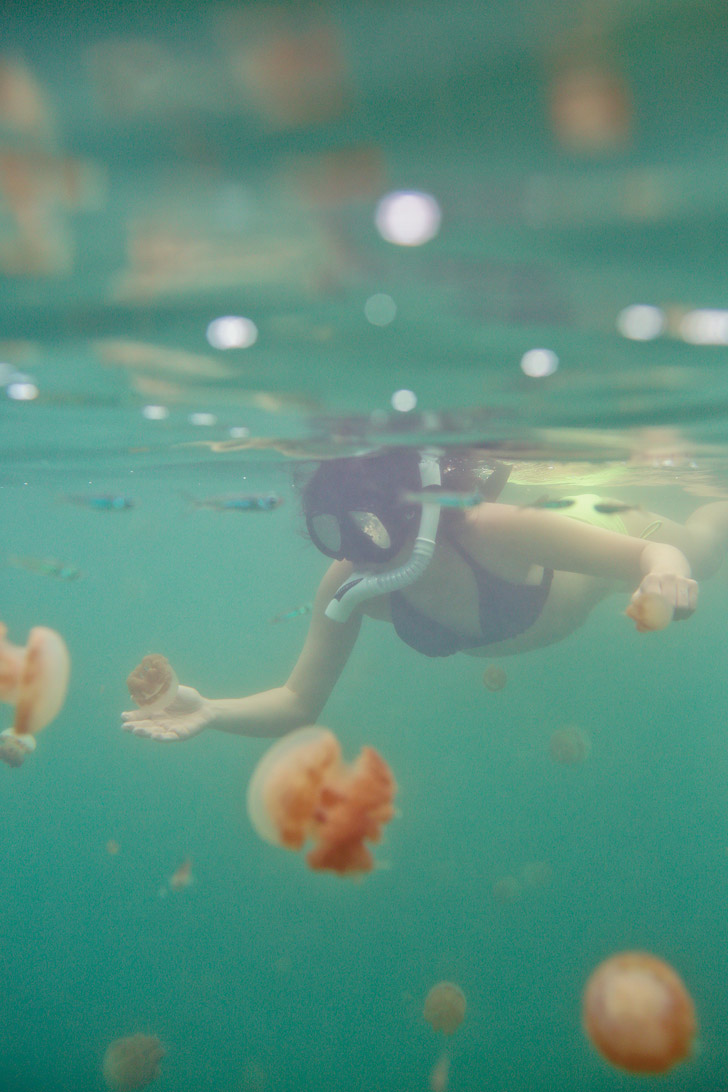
x=262, y=976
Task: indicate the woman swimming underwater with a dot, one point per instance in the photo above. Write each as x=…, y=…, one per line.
x=491, y=579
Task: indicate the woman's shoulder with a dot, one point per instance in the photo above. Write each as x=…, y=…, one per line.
x=488, y=534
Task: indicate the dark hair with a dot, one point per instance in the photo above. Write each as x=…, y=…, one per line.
x=378, y=478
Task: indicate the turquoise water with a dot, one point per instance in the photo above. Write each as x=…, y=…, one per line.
x=163, y=168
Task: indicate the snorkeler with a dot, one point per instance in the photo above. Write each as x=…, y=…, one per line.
x=490, y=579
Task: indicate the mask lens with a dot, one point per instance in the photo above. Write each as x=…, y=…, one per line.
x=326, y=529
x=371, y=526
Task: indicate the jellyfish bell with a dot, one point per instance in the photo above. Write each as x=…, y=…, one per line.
x=507, y=889
x=638, y=1013
x=569, y=746
x=444, y=1007
x=301, y=790
x=132, y=1062
x=650, y=612
x=494, y=677
x=153, y=683
x=35, y=680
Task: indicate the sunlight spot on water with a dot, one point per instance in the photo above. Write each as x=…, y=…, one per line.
x=404, y=401
x=538, y=363
x=232, y=332
x=155, y=413
x=22, y=391
x=408, y=218
x=641, y=322
x=380, y=309
x=705, y=327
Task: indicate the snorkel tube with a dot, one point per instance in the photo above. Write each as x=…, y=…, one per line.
x=362, y=586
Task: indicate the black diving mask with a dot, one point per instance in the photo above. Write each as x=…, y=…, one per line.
x=359, y=535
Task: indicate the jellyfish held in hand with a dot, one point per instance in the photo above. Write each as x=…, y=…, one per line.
x=302, y=790
x=34, y=679
x=153, y=684
x=132, y=1062
x=650, y=612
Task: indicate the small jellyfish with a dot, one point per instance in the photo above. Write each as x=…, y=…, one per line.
x=182, y=877
x=494, y=677
x=301, y=790
x=133, y=1062
x=35, y=680
x=112, y=847
x=536, y=874
x=440, y=1074
x=638, y=1013
x=444, y=1007
x=569, y=746
x=153, y=684
x=507, y=889
x=650, y=612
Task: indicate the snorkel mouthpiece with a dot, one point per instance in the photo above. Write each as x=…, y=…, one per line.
x=362, y=586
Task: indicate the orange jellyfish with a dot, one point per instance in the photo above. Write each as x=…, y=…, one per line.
x=153, y=684
x=494, y=677
x=638, y=1013
x=301, y=790
x=650, y=612
x=133, y=1062
x=445, y=1007
x=569, y=746
x=35, y=680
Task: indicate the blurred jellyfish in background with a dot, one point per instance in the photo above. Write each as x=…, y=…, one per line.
x=494, y=678
x=37, y=184
x=638, y=1014
x=132, y=1062
x=288, y=65
x=182, y=877
x=569, y=746
x=34, y=679
x=301, y=790
x=444, y=1007
x=507, y=889
x=536, y=874
x=590, y=107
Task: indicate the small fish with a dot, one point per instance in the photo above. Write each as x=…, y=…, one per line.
x=553, y=503
x=101, y=502
x=48, y=566
x=244, y=502
x=611, y=508
x=305, y=608
x=443, y=499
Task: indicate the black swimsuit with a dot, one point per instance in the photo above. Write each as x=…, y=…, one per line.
x=505, y=610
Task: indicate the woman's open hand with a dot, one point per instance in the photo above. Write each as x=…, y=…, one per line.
x=186, y=716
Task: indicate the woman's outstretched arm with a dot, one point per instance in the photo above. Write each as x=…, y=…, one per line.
x=297, y=702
